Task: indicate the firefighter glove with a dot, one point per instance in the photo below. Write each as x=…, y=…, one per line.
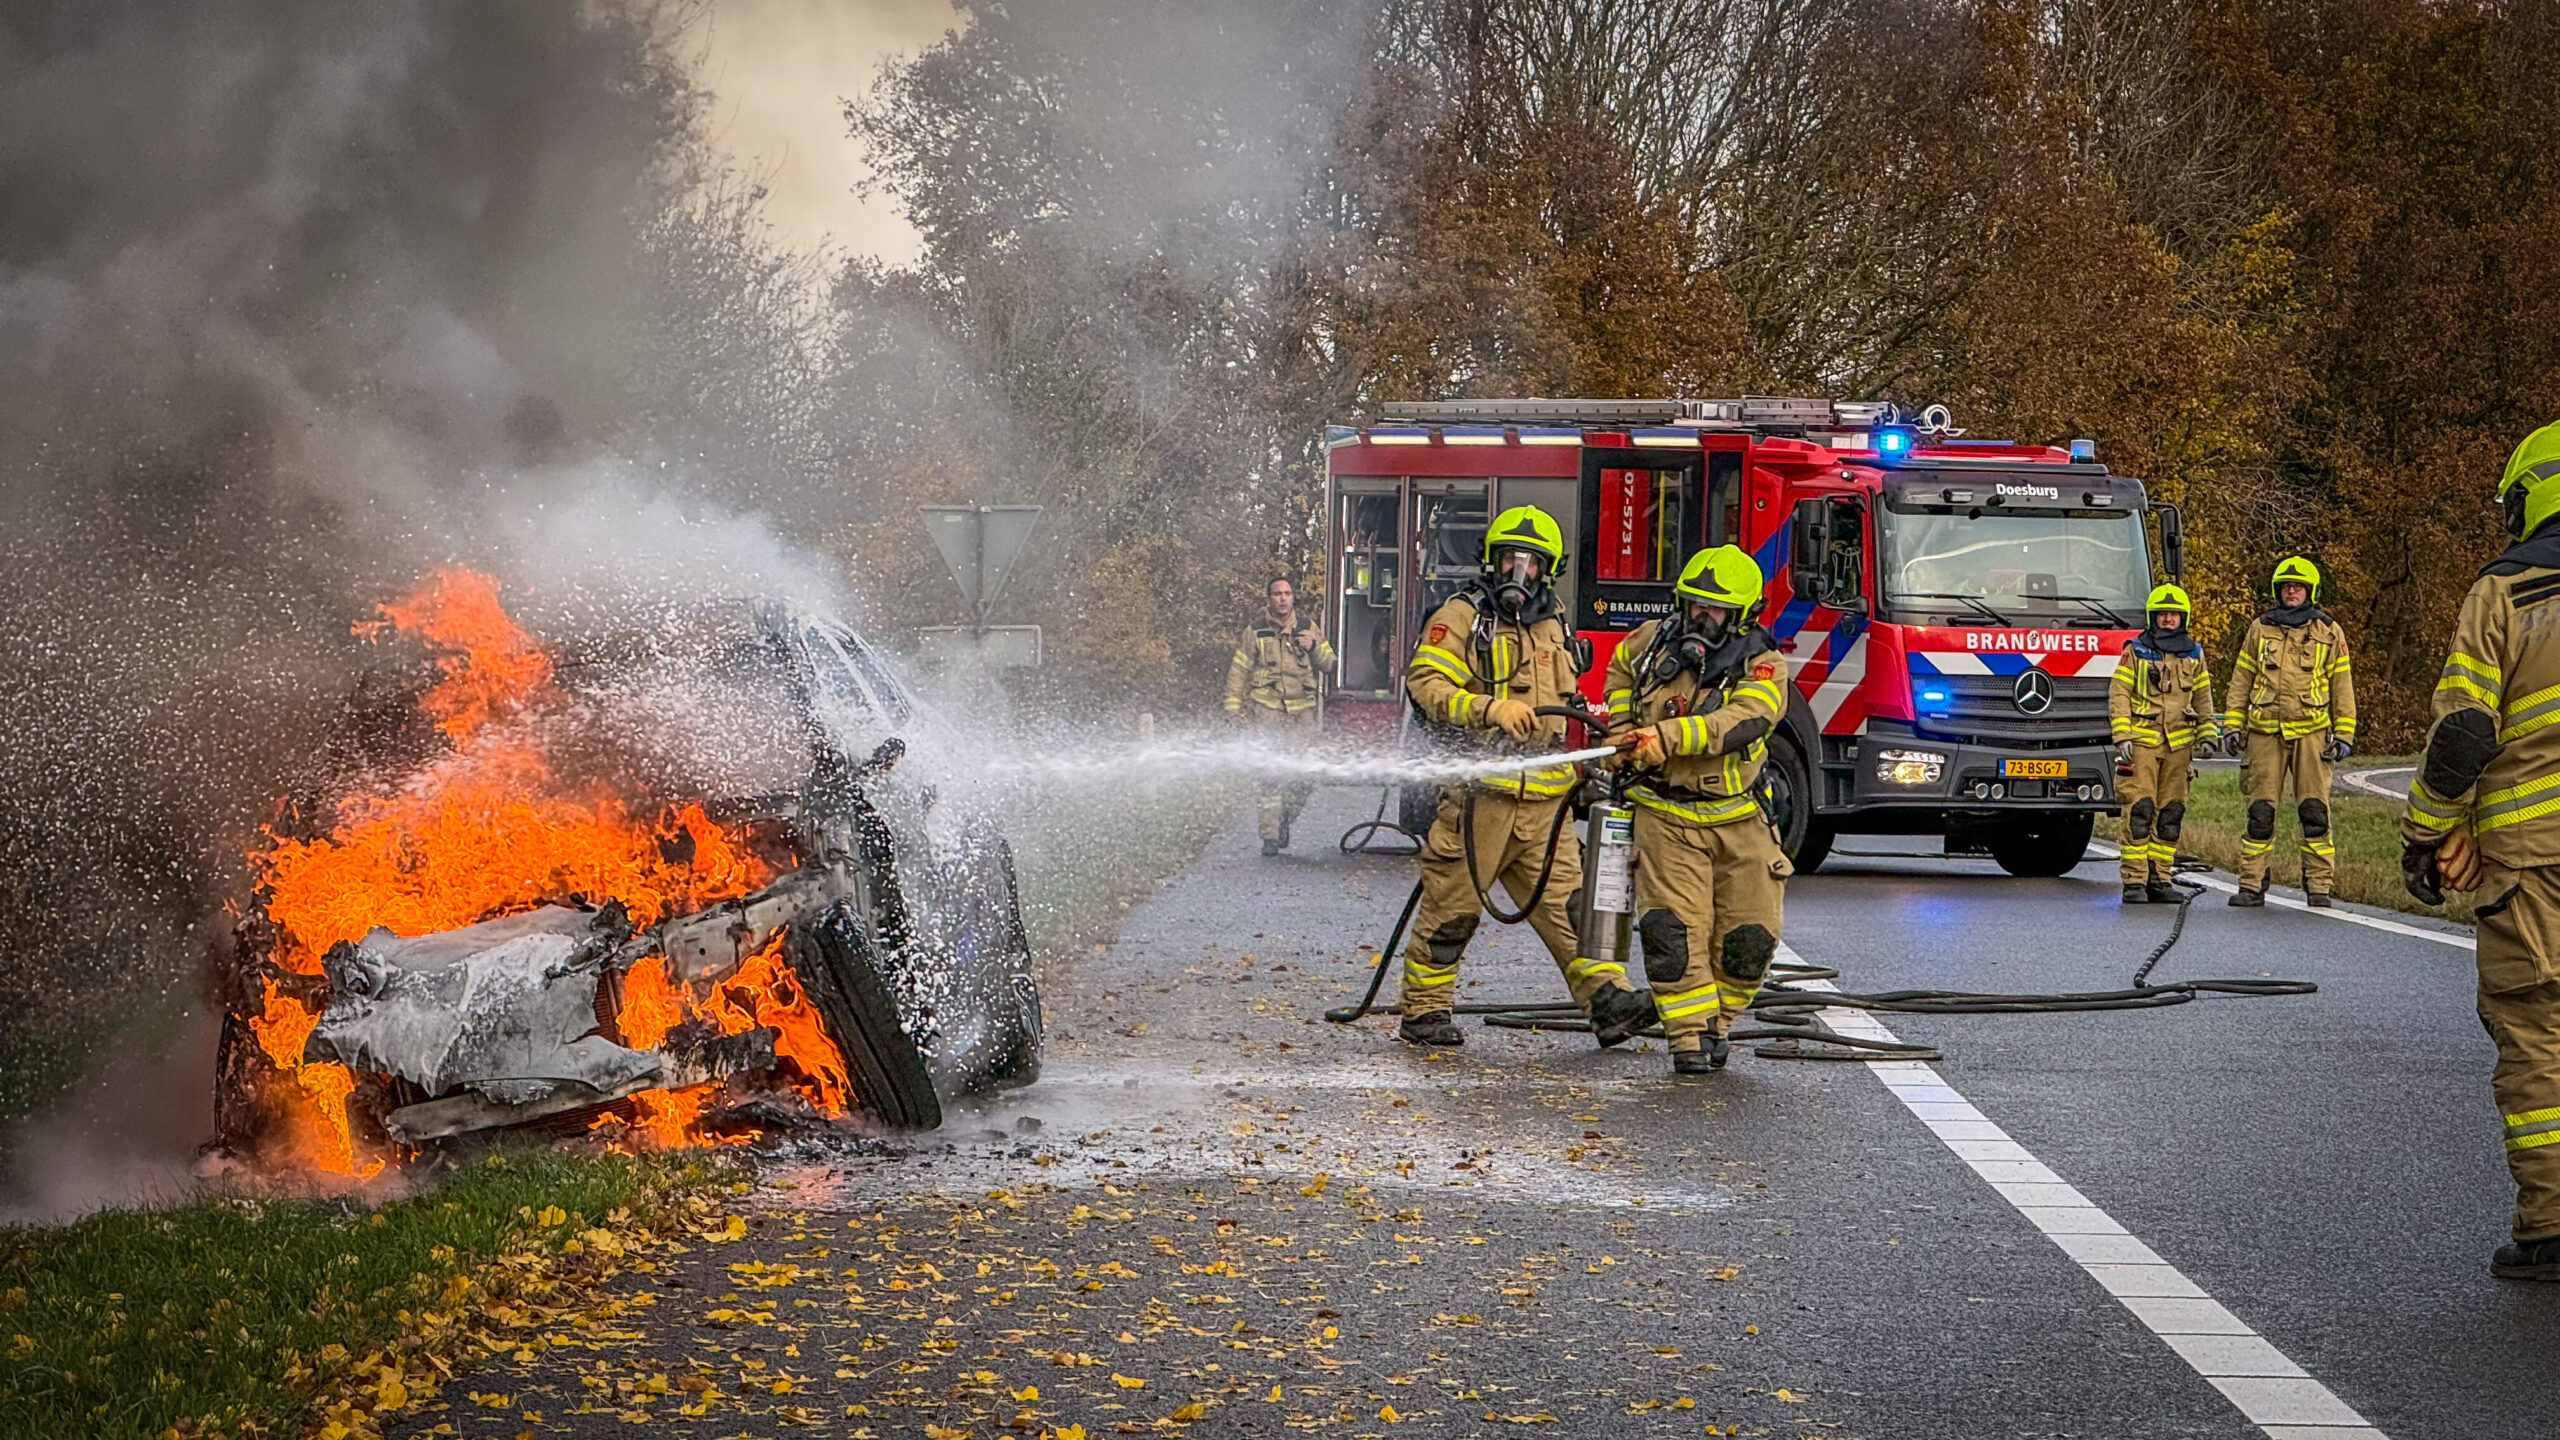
x=1515, y=718
x=2124, y=757
x=2419, y=873
x=1645, y=747
x=2458, y=861
x=2235, y=743
x=2336, y=750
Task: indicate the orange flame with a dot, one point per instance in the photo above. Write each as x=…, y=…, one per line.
x=489, y=830
x=761, y=991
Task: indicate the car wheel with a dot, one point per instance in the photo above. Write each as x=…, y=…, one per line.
x=1788, y=782
x=1018, y=1058
x=838, y=963
x=2041, y=848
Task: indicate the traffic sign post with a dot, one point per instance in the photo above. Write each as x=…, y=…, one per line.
x=981, y=544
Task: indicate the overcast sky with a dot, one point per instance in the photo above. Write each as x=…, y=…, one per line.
x=780, y=71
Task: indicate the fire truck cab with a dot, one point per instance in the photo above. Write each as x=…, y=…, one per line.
x=1950, y=609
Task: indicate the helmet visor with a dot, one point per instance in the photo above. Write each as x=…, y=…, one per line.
x=1519, y=567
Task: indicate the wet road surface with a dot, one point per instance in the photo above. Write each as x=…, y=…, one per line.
x=1218, y=1214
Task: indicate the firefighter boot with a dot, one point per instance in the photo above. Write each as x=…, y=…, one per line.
x=1706, y=1060
x=2318, y=900
x=2137, y=895
x=2248, y=899
x=2162, y=892
x=2527, y=1259
x=1617, y=1013
x=1272, y=847
x=1431, y=1027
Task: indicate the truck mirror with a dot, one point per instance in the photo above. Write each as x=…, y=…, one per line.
x=2173, y=541
x=1805, y=561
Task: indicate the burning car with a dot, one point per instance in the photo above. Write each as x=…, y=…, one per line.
x=668, y=878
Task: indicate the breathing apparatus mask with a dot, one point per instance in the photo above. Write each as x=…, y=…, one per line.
x=1517, y=577
x=1693, y=638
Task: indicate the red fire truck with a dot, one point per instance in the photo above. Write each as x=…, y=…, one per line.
x=1950, y=608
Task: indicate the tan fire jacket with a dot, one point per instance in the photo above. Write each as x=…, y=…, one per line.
x=1715, y=737
x=2292, y=681
x=1277, y=669
x=2160, y=699
x=2501, y=684
x=1458, y=668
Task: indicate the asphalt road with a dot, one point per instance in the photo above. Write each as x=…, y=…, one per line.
x=1216, y=1200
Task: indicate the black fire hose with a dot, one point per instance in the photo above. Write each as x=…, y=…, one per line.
x=1794, y=1029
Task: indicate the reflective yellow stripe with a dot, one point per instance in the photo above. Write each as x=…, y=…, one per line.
x=2256, y=847
x=1461, y=707
x=1765, y=690
x=2430, y=809
x=1434, y=658
x=1543, y=784
x=1679, y=1004
x=1707, y=812
x=2318, y=847
x=2477, y=668
x=2534, y=1117
x=1581, y=968
x=2534, y=1142
x=2464, y=685
x=2345, y=725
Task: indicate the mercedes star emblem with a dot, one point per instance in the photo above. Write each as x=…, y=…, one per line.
x=2034, y=693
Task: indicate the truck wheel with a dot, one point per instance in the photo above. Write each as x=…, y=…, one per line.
x=1790, y=799
x=2041, y=848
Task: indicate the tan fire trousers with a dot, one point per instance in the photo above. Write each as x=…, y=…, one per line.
x=1511, y=844
x=2268, y=763
x=2519, y=958
x=1709, y=900
x=2155, y=810
x=1281, y=800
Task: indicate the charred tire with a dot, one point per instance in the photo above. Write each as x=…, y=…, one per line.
x=1019, y=1062
x=838, y=962
x=1416, y=807
x=2041, y=847
x=1787, y=792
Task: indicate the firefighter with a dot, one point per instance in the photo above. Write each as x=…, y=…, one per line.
x=2290, y=711
x=1272, y=685
x=2159, y=705
x=2480, y=818
x=1704, y=686
x=1488, y=658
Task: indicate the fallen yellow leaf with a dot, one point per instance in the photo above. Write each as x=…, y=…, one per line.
x=1190, y=1412
x=1726, y=1273
x=1027, y=1392
x=1791, y=1397
x=1388, y=1412
x=1127, y=1382
x=1316, y=1186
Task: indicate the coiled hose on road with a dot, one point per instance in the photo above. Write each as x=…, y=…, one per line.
x=1792, y=1025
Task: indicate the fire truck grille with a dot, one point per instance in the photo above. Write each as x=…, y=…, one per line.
x=1984, y=709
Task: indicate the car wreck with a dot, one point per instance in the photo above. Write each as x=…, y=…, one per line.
x=666, y=880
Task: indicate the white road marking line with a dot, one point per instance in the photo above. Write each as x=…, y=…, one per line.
x=2369, y=782
x=2265, y=1385
x=2104, y=851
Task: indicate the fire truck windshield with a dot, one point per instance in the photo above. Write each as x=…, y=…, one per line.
x=1944, y=565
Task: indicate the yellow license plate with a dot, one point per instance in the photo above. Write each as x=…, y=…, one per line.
x=2035, y=769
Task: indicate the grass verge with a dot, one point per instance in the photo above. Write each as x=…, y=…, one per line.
x=234, y=1317
x=2364, y=827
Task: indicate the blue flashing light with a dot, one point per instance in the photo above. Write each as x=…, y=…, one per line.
x=1895, y=442
x=1935, y=697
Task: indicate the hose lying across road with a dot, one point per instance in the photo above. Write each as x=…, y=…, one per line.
x=1792, y=1023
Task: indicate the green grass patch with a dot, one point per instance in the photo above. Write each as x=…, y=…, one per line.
x=2364, y=827
x=236, y=1317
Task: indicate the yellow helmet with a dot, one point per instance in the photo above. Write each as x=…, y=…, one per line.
x=2294, y=570
x=1724, y=575
x=1526, y=527
x=2526, y=489
x=2167, y=597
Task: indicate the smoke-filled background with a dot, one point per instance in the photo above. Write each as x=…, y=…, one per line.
x=298, y=299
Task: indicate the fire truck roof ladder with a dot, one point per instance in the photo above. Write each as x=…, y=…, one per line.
x=1751, y=412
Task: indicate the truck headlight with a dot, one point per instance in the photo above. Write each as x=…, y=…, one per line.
x=1910, y=767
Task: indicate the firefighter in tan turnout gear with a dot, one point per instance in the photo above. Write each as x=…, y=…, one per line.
x=1706, y=686
x=2290, y=713
x=2484, y=814
x=1486, y=661
x=1272, y=685
x=2159, y=707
